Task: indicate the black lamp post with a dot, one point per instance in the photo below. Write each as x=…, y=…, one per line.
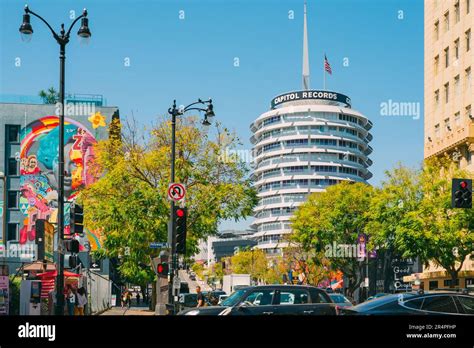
x=62, y=39
x=174, y=112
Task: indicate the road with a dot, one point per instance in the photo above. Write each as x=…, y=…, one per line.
x=183, y=275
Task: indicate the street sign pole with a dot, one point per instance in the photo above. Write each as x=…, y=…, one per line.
x=171, y=227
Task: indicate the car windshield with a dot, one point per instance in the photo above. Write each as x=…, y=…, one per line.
x=233, y=299
x=339, y=298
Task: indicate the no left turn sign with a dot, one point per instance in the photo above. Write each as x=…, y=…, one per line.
x=176, y=192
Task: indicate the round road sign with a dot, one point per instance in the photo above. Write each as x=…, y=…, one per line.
x=176, y=192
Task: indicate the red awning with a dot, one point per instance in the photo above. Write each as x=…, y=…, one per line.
x=52, y=274
x=48, y=281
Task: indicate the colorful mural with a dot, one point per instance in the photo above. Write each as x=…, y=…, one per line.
x=39, y=167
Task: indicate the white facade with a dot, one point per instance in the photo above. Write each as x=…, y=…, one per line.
x=300, y=147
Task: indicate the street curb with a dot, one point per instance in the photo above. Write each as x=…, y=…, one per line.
x=102, y=311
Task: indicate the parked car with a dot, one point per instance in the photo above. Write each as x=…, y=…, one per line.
x=380, y=294
x=187, y=301
x=416, y=303
x=272, y=300
x=340, y=300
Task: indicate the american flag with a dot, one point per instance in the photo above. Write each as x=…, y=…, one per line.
x=327, y=67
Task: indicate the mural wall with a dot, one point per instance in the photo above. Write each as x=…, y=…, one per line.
x=39, y=167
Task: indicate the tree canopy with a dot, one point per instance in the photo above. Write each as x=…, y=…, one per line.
x=129, y=200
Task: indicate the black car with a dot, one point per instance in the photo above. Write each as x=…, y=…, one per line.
x=271, y=300
x=416, y=303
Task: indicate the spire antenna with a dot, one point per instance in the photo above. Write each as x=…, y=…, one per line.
x=305, y=53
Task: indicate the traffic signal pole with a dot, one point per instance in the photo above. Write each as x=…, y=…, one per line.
x=171, y=230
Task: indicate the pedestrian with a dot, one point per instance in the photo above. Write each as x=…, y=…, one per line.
x=138, y=298
x=200, y=297
x=81, y=301
x=129, y=299
x=124, y=298
x=70, y=301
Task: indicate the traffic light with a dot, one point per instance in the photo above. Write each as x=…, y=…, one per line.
x=72, y=245
x=77, y=219
x=461, y=193
x=44, y=238
x=71, y=261
x=39, y=238
x=162, y=269
x=180, y=224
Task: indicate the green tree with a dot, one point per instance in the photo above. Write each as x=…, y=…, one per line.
x=334, y=217
x=129, y=202
x=434, y=231
x=49, y=96
x=398, y=195
x=253, y=262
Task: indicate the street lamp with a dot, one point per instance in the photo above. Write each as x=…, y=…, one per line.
x=62, y=39
x=174, y=112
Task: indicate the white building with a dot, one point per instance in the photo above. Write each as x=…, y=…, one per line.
x=308, y=140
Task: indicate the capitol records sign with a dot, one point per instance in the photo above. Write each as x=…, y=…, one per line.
x=311, y=95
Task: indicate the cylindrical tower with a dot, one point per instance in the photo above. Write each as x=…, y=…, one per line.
x=309, y=140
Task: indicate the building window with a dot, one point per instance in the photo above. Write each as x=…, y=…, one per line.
x=12, y=199
x=436, y=131
x=12, y=167
x=468, y=78
x=456, y=49
x=457, y=119
x=457, y=85
x=13, y=133
x=436, y=30
x=468, y=112
x=468, y=40
x=447, y=127
x=446, y=57
x=448, y=282
x=12, y=231
x=457, y=14
x=433, y=284
x=446, y=21
x=436, y=97
x=446, y=92
x=468, y=6
x=436, y=64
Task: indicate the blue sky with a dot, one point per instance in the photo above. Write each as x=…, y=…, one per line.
x=194, y=57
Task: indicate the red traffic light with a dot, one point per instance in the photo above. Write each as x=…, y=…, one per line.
x=180, y=212
x=463, y=184
x=160, y=268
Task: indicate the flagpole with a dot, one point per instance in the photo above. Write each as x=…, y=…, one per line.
x=324, y=73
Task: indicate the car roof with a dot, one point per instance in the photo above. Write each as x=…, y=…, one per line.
x=283, y=286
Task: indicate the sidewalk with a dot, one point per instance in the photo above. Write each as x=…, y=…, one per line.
x=131, y=311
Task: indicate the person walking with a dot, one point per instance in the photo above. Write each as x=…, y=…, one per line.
x=71, y=301
x=81, y=301
x=200, y=297
x=138, y=298
x=123, y=298
x=129, y=299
